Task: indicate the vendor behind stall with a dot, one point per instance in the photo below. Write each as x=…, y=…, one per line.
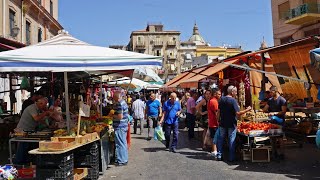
x=277, y=108
x=31, y=100
x=30, y=119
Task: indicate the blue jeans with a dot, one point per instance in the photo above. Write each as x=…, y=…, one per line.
x=167, y=133
x=121, y=145
x=232, y=133
x=191, y=120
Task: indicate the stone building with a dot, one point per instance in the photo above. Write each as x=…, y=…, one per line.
x=294, y=19
x=154, y=40
x=26, y=22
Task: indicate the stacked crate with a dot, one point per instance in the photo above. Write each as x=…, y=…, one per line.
x=88, y=157
x=55, y=167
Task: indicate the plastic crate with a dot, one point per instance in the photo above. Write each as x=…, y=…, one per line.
x=91, y=149
x=86, y=161
x=55, y=174
x=93, y=173
x=54, y=161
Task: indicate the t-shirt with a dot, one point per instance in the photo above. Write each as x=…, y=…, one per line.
x=121, y=107
x=26, y=103
x=191, y=103
x=276, y=104
x=171, y=111
x=27, y=122
x=138, y=108
x=212, y=108
x=228, y=108
x=153, y=108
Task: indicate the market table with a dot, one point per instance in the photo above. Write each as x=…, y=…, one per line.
x=63, y=162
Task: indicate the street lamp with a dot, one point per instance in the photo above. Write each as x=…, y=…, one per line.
x=15, y=31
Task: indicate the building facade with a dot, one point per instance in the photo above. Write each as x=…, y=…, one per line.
x=27, y=22
x=294, y=19
x=154, y=40
x=197, y=52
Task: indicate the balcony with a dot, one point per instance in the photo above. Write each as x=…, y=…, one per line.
x=171, y=43
x=158, y=43
x=140, y=45
x=303, y=14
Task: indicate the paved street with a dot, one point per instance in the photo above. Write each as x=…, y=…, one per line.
x=149, y=160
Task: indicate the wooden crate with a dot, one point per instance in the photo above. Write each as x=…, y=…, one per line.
x=80, y=173
x=246, y=155
x=261, y=154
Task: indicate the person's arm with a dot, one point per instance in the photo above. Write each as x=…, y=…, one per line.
x=199, y=107
x=237, y=109
x=193, y=107
x=118, y=114
x=160, y=109
x=266, y=108
x=179, y=109
x=40, y=117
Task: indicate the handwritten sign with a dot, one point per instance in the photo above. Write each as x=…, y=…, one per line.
x=84, y=110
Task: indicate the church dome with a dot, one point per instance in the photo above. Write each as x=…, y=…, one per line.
x=196, y=37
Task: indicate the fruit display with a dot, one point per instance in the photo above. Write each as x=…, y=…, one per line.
x=262, y=115
x=258, y=115
x=60, y=132
x=246, y=127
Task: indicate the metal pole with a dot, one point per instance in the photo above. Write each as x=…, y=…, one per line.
x=263, y=67
x=66, y=96
x=101, y=100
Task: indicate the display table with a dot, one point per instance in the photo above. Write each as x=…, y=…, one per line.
x=61, y=164
x=307, y=110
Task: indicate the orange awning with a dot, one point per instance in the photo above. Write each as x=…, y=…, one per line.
x=175, y=79
x=188, y=76
x=193, y=82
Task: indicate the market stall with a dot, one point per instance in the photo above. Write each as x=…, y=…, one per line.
x=63, y=53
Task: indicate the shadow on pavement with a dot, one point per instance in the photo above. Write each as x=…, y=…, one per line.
x=197, y=155
x=155, y=149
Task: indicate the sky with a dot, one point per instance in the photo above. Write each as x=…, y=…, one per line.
x=110, y=22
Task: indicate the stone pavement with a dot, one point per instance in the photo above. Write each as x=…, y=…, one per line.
x=149, y=160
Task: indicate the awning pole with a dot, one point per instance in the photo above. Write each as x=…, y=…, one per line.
x=66, y=96
x=101, y=100
x=130, y=81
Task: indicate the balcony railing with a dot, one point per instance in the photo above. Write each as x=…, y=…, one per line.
x=303, y=14
x=171, y=43
x=158, y=43
x=140, y=45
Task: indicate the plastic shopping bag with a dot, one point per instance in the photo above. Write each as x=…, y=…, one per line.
x=318, y=138
x=159, y=134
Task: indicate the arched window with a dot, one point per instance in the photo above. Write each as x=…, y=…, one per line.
x=39, y=35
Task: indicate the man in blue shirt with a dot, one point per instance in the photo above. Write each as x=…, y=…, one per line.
x=153, y=111
x=229, y=111
x=171, y=112
x=120, y=125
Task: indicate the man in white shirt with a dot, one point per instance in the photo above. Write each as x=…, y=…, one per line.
x=138, y=111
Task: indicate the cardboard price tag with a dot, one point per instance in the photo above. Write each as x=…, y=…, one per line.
x=84, y=110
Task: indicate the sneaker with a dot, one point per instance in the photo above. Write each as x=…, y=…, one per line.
x=121, y=164
x=219, y=158
x=149, y=138
x=174, y=150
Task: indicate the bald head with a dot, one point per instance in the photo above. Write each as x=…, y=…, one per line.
x=42, y=103
x=117, y=96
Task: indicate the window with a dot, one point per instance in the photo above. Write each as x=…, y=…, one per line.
x=28, y=33
x=286, y=40
x=39, y=35
x=158, y=53
x=12, y=15
x=283, y=10
x=39, y=1
x=51, y=8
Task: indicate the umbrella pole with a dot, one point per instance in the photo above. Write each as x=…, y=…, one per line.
x=66, y=96
x=130, y=81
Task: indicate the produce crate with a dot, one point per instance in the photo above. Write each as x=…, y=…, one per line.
x=70, y=139
x=93, y=173
x=261, y=154
x=65, y=173
x=246, y=155
x=80, y=173
x=54, y=161
x=86, y=161
x=90, y=149
x=55, y=145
